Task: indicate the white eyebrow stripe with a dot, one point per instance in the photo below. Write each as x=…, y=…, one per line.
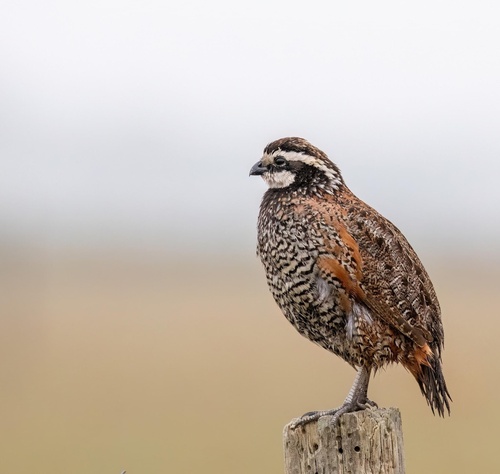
x=295, y=156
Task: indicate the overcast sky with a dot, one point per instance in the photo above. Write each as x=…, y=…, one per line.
x=136, y=122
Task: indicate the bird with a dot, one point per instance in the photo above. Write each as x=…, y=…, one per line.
x=345, y=277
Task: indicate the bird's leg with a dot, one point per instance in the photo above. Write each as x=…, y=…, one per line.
x=358, y=395
x=356, y=400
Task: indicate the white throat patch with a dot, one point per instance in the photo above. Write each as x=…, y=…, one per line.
x=279, y=179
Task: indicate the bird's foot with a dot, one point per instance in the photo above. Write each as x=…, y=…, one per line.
x=346, y=407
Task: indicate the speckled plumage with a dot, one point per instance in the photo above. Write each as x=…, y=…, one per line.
x=343, y=275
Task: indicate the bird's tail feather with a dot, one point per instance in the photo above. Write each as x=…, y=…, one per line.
x=433, y=386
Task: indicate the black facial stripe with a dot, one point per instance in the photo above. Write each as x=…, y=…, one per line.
x=296, y=165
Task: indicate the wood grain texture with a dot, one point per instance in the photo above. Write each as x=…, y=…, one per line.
x=368, y=441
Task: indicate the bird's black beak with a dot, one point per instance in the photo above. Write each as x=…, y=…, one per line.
x=258, y=169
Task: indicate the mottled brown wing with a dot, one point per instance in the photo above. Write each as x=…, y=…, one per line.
x=344, y=262
x=376, y=266
x=395, y=283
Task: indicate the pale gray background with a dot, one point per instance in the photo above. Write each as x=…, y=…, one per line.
x=134, y=124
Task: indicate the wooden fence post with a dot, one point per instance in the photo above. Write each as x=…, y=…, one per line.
x=365, y=442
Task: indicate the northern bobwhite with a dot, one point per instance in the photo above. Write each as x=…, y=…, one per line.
x=344, y=276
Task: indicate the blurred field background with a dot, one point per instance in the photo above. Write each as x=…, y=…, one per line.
x=136, y=329
x=114, y=362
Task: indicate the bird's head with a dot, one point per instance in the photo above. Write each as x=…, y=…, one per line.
x=293, y=162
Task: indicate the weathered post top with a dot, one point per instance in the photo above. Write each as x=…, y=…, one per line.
x=364, y=442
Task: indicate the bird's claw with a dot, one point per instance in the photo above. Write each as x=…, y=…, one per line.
x=336, y=413
x=369, y=404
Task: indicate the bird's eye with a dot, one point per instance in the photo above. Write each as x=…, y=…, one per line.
x=280, y=161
